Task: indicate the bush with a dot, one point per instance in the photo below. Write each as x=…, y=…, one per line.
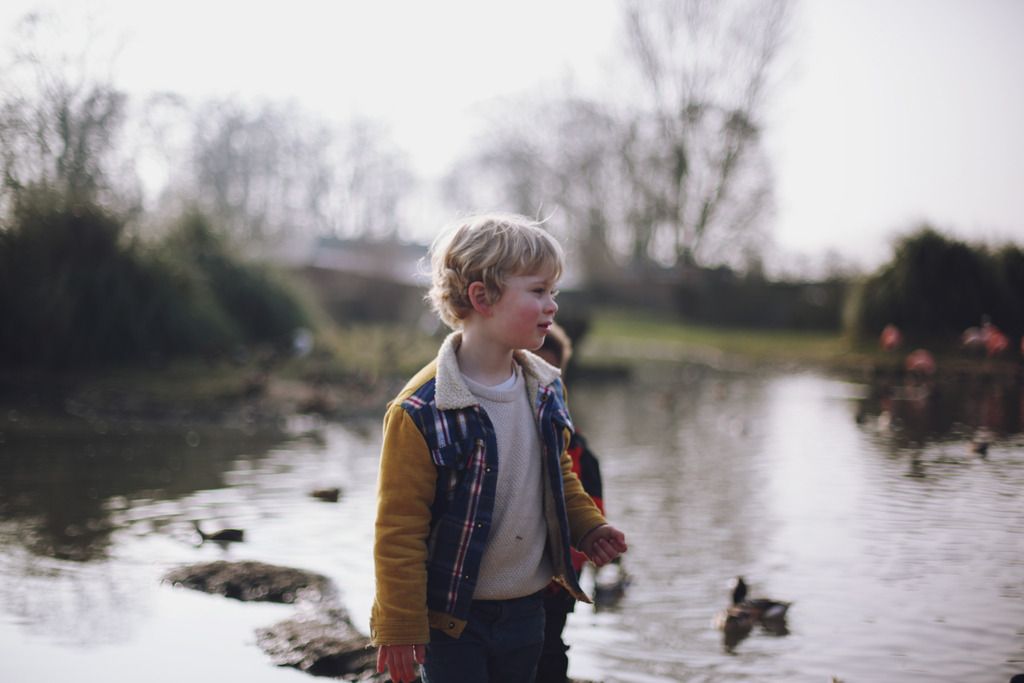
x=1009, y=268
x=74, y=291
x=936, y=287
x=63, y=268
x=258, y=300
x=718, y=297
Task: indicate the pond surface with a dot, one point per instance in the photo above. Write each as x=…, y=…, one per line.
x=900, y=547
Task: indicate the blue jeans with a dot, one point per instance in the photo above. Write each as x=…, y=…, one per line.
x=554, y=660
x=501, y=643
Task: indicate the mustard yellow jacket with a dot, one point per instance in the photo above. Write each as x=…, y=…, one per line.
x=438, y=473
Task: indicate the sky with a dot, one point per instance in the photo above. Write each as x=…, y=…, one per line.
x=898, y=112
x=887, y=113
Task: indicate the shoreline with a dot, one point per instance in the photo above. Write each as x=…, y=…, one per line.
x=276, y=399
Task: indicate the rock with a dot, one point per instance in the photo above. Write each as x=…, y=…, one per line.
x=320, y=641
x=254, y=581
x=323, y=643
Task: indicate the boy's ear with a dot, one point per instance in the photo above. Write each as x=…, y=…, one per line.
x=478, y=298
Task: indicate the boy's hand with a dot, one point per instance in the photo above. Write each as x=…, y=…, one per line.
x=400, y=661
x=603, y=544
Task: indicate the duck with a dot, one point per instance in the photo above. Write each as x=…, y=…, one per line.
x=768, y=612
x=735, y=623
x=329, y=495
x=980, y=442
x=610, y=584
x=223, y=535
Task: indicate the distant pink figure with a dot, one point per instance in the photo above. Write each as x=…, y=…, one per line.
x=891, y=338
x=920, y=362
x=995, y=341
x=973, y=339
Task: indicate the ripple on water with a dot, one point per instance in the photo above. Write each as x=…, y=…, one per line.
x=902, y=556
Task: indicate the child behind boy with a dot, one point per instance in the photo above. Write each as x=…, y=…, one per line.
x=553, y=665
x=477, y=502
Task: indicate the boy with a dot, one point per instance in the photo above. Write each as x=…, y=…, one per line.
x=477, y=502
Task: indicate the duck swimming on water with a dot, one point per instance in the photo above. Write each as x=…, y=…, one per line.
x=738, y=619
x=763, y=610
x=735, y=623
x=328, y=495
x=610, y=583
x=224, y=535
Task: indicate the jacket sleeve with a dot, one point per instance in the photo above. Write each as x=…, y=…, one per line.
x=405, y=492
x=583, y=514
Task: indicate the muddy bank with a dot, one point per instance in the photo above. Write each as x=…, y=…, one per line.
x=255, y=581
x=321, y=643
x=321, y=640
x=204, y=402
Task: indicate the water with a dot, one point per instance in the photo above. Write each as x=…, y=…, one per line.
x=901, y=549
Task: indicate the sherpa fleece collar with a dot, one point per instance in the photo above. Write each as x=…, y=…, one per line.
x=451, y=392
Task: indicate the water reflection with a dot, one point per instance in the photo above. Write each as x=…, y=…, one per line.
x=59, y=497
x=915, y=412
x=862, y=504
x=82, y=602
x=797, y=481
x=938, y=424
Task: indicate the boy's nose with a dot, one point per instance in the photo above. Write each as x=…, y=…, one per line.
x=552, y=305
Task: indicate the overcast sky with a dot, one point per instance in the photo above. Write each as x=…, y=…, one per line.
x=891, y=112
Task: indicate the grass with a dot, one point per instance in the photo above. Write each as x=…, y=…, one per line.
x=379, y=350
x=361, y=366
x=621, y=338
x=352, y=369
x=617, y=336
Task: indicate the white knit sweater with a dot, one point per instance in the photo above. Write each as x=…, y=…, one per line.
x=514, y=563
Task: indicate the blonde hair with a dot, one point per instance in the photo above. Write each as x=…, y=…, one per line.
x=487, y=248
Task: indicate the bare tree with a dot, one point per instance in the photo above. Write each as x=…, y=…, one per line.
x=587, y=181
x=506, y=171
x=557, y=161
x=60, y=123
x=674, y=175
x=271, y=173
x=262, y=172
x=372, y=181
x=706, y=68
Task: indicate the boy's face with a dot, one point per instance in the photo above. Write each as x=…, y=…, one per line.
x=522, y=316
